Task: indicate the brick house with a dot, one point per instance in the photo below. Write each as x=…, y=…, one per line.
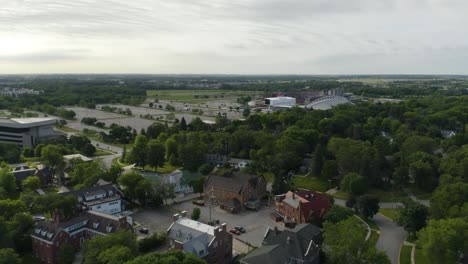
x=302, y=206
x=211, y=243
x=235, y=190
x=23, y=172
x=48, y=237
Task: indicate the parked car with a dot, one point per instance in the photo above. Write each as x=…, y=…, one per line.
x=199, y=202
x=144, y=230
x=39, y=218
x=240, y=229
x=234, y=231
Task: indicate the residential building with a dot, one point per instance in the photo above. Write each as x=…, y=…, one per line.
x=300, y=245
x=211, y=243
x=23, y=172
x=234, y=190
x=238, y=163
x=104, y=197
x=26, y=132
x=83, y=158
x=302, y=206
x=176, y=178
x=48, y=237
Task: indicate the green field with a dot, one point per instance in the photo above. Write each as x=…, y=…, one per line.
x=390, y=213
x=405, y=254
x=196, y=96
x=310, y=184
x=420, y=258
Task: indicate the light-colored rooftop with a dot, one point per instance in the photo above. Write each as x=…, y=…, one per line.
x=196, y=225
x=27, y=122
x=76, y=156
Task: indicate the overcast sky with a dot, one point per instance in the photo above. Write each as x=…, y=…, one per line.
x=234, y=36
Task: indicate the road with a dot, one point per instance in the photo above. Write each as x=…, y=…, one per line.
x=391, y=237
x=106, y=160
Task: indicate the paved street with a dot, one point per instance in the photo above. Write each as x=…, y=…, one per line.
x=391, y=237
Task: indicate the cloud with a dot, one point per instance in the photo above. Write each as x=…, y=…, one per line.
x=261, y=36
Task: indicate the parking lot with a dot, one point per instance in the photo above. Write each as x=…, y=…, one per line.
x=255, y=222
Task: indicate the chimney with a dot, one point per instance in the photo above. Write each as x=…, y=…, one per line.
x=175, y=217
x=288, y=240
x=294, y=196
x=183, y=213
x=276, y=230
x=223, y=226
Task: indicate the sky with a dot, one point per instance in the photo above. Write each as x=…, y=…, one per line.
x=234, y=36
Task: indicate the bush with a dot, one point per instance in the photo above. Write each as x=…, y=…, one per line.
x=196, y=213
x=147, y=244
x=205, y=169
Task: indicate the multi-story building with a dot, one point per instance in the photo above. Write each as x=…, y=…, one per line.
x=300, y=245
x=48, y=237
x=104, y=197
x=302, y=206
x=235, y=190
x=211, y=243
x=26, y=131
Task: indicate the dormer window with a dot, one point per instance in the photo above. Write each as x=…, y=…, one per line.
x=95, y=225
x=109, y=228
x=50, y=234
x=111, y=193
x=43, y=233
x=38, y=230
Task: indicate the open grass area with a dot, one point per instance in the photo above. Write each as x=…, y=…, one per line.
x=166, y=169
x=420, y=258
x=405, y=254
x=67, y=129
x=117, y=161
x=374, y=237
x=102, y=152
x=267, y=175
x=309, y=183
x=389, y=195
x=196, y=96
x=341, y=195
x=391, y=213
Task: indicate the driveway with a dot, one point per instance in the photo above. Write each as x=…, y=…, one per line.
x=391, y=237
x=156, y=220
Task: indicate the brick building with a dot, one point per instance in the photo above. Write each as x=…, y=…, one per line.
x=235, y=190
x=211, y=243
x=303, y=206
x=48, y=237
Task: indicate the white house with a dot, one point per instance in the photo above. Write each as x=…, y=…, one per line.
x=176, y=178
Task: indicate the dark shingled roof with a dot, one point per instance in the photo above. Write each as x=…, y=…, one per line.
x=281, y=246
x=232, y=181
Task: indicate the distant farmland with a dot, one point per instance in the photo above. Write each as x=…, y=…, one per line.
x=197, y=96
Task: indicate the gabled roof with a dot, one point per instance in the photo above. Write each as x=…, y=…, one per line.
x=312, y=203
x=281, y=246
x=232, y=181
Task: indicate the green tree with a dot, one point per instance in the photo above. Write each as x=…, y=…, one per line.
x=367, y=206
x=7, y=183
x=66, y=254
x=52, y=156
x=31, y=183
x=337, y=214
x=168, y=257
x=115, y=255
x=205, y=169
x=329, y=169
x=138, y=154
x=344, y=243
x=198, y=185
x=444, y=240
x=195, y=213
x=9, y=256
x=450, y=200
x=413, y=217
x=354, y=184
x=93, y=248
x=155, y=154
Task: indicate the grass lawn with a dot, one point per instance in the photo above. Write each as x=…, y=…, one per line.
x=196, y=96
x=67, y=129
x=267, y=175
x=341, y=195
x=391, y=213
x=308, y=183
x=101, y=152
x=420, y=258
x=389, y=195
x=374, y=237
x=115, y=161
x=166, y=169
x=405, y=254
